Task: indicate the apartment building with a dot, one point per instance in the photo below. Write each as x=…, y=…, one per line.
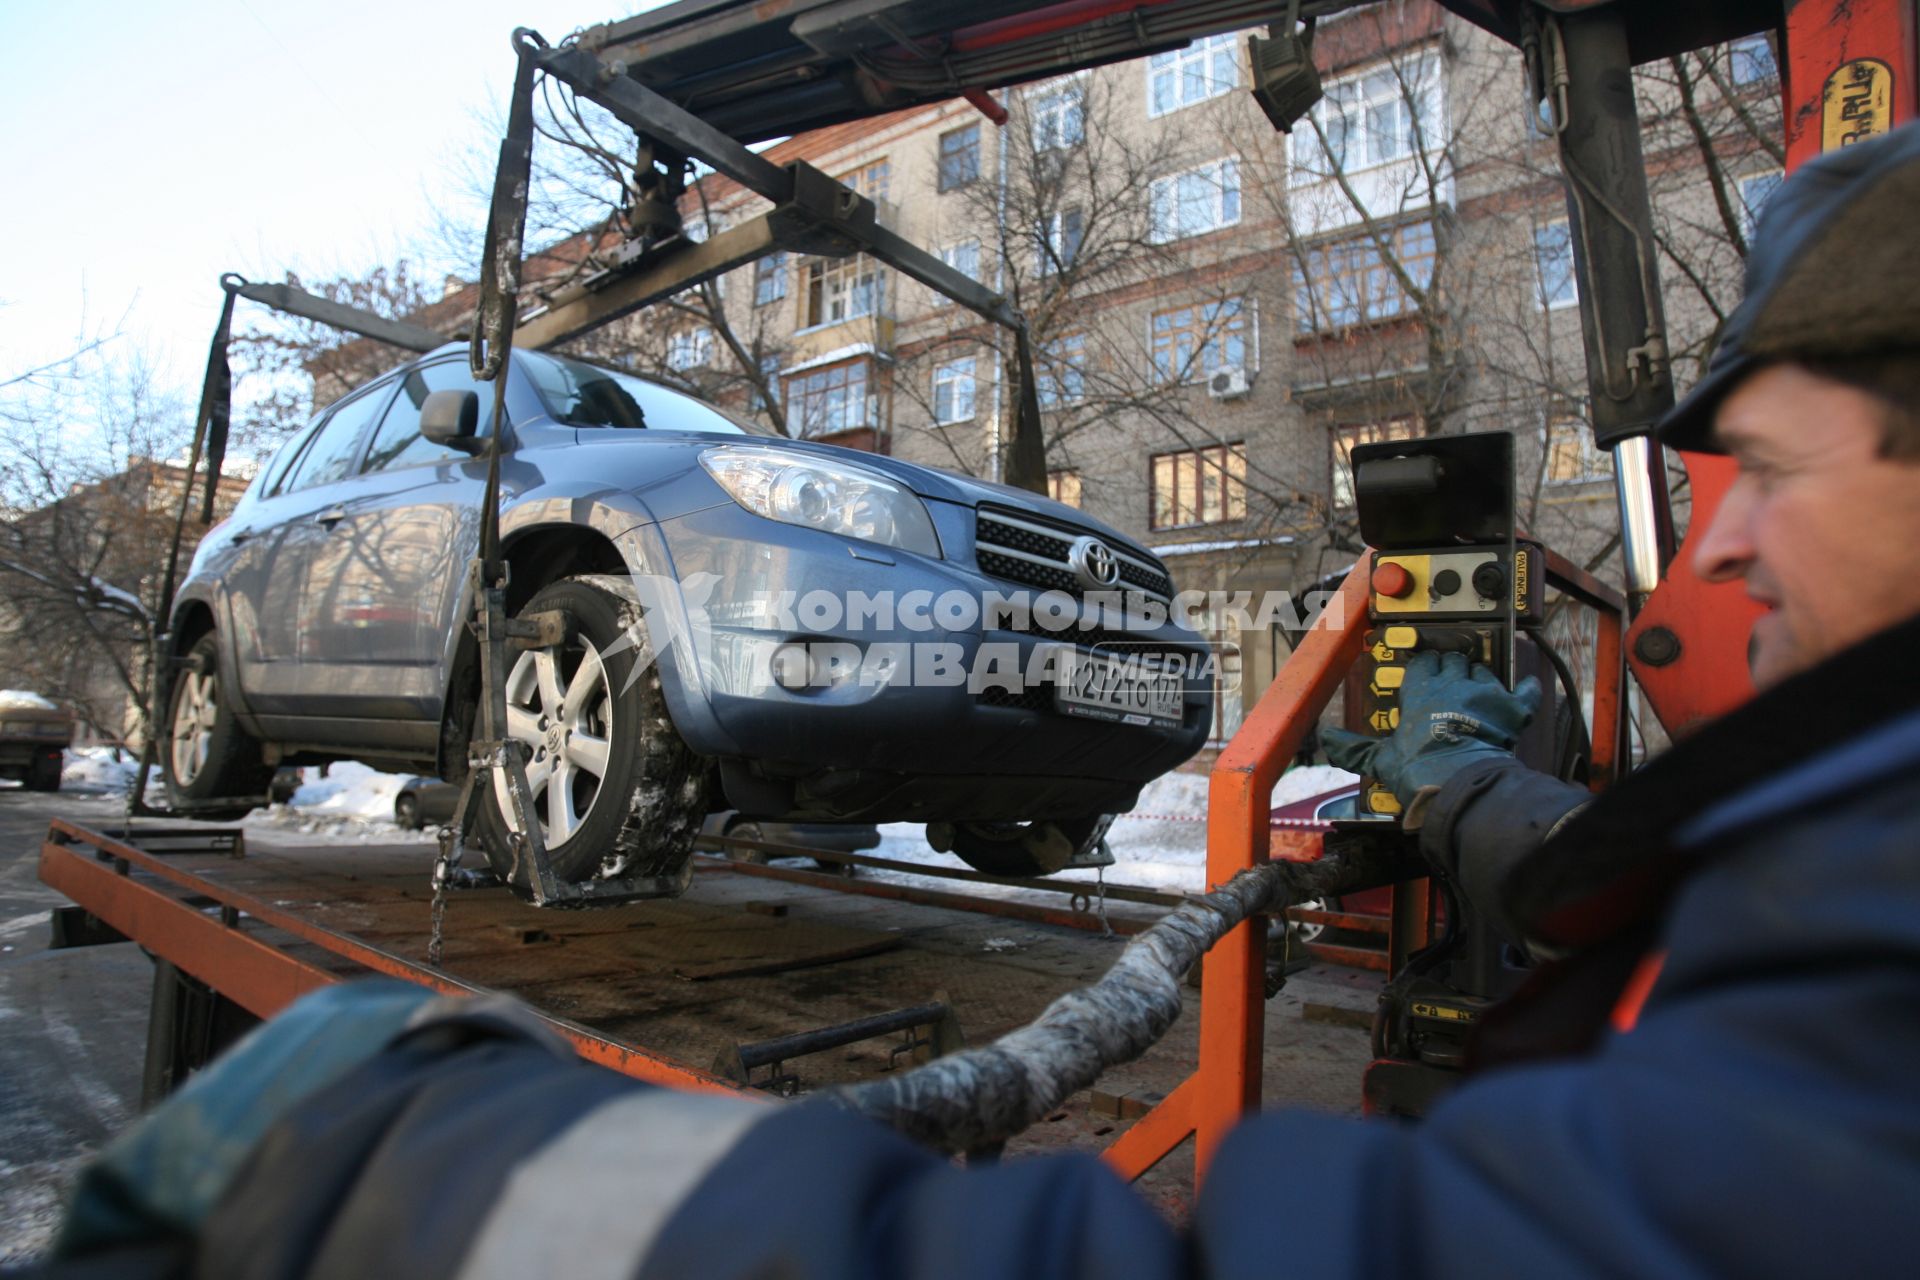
x=1221, y=312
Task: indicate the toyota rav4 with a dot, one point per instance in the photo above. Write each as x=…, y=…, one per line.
x=749, y=622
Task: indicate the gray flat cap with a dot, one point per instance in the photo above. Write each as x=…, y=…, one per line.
x=1833, y=270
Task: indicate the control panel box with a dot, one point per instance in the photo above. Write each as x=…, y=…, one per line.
x=1446, y=600
x=1459, y=583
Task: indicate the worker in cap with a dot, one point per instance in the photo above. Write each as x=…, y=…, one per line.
x=1711, y=1072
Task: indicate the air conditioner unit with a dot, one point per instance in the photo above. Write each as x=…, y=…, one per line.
x=1229, y=383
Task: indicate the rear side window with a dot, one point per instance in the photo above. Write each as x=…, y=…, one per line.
x=330, y=456
x=276, y=470
x=586, y=395
x=399, y=443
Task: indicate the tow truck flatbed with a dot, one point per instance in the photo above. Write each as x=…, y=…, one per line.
x=662, y=990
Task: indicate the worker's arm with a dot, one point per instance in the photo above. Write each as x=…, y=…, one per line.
x=1478, y=810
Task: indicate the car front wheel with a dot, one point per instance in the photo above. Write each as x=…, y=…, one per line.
x=615, y=790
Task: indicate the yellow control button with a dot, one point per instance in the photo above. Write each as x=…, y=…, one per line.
x=1382, y=802
x=1389, y=677
x=1401, y=637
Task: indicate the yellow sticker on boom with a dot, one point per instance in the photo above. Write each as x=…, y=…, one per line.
x=1856, y=104
x=1443, y=1012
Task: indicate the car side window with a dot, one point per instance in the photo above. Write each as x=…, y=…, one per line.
x=330, y=456
x=399, y=443
x=273, y=480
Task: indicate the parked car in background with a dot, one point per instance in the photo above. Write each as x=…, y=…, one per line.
x=325, y=619
x=34, y=735
x=424, y=800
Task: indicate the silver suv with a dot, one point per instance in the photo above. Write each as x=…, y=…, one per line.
x=772, y=626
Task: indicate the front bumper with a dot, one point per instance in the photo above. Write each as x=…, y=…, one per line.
x=891, y=734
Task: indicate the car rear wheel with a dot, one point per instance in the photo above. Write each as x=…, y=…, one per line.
x=1021, y=848
x=207, y=756
x=747, y=829
x=615, y=789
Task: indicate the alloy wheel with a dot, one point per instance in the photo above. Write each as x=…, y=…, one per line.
x=195, y=710
x=560, y=705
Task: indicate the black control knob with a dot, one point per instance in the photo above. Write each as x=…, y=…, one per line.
x=1445, y=583
x=1489, y=581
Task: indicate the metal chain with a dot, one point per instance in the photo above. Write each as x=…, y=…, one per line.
x=1100, y=880
x=443, y=865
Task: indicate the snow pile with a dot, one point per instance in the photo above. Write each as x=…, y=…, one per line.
x=1161, y=844
x=353, y=804
x=108, y=769
x=22, y=700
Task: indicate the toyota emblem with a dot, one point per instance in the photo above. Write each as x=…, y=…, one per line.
x=1094, y=563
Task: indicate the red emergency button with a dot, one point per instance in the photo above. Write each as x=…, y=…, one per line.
x=1392, y=581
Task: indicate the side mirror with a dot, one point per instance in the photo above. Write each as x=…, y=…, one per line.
x=450, y=418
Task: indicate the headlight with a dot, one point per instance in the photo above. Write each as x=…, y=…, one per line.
x=837, y=497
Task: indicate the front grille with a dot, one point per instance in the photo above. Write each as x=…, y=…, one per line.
x=1021, y=549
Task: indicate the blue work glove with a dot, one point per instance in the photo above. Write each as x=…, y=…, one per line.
x=1452, y=714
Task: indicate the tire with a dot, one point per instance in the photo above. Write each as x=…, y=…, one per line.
x=747, y=829
x=1025, y=848
x=44, y=773
x=406, y=811
x=1314, y=932
x=630, y=795
x=207, y=757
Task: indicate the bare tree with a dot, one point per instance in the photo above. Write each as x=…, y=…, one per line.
x=292, y=367
x=91, y=498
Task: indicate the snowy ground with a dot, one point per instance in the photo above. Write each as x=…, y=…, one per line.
x=1162, y=844
x=353, y=804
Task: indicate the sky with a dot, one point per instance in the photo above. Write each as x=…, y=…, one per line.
x=148, y=148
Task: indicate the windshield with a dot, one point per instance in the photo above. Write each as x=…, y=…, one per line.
x=588, y=395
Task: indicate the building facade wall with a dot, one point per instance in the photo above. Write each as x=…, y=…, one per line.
x=1435, y=299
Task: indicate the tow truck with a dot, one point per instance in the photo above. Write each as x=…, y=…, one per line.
x=703, y=79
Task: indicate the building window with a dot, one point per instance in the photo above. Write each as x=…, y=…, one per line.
x=827, y=400
x=1754, y=194
x=1204, y=69
x=1379, y=116
x=963, y=257
x=870, y=180
x=1197, y=201
x=1058, y=116
x=1060, y=378
x=1198, y=486
x=1344, y=438
x=959, y=157
x=843, y=289
x=953, y=391
x=1553, y=257
x=1346, y=282
x=1572, y=457
x=1064, y=486
x=769, y=279
x=1059, y=237
x=1750, y=60
x=690, y=349
x=1199, y=339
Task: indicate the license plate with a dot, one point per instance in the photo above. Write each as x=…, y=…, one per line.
x=1130, y=689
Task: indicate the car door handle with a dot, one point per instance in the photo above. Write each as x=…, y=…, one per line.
x=239, y=536
x=331, y=516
